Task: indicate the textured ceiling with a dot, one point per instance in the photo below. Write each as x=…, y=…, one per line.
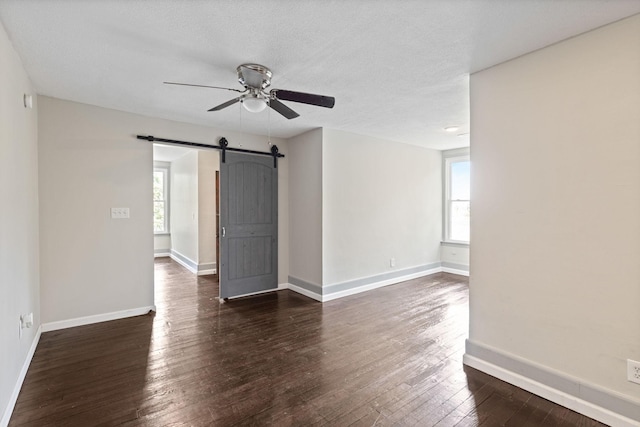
x=398, y=69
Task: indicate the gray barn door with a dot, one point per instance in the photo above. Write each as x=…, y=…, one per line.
x=248, y=225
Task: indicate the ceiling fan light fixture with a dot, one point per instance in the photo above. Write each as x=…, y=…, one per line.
x=254, y=103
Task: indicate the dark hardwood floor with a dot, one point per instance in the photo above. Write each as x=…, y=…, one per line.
x=392, y=356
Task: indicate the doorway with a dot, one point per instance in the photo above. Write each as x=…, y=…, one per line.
x=189, y=238
x=222, y=217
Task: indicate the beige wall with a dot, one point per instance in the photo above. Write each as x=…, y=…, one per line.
x=184, y=205
x=355, y=203
x=19, y=253
x=305, y=204
x=91, y=161
x=556, y=207
x=381, y=200
x=208, y=164
x=193, y=207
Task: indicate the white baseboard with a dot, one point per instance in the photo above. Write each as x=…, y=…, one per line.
x=177, y=257
x=553, y=394
x=303, y=291
x=191, y=265
x=380, y=284
x=205, y=272
x=161, y=255
x=23, y=373
x=455, y=271
x=344, y=289
x=88, y=320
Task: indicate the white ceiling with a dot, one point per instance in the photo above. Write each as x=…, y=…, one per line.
x=398, y=69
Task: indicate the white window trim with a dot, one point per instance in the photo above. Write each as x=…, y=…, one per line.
x=167, y=192
x=449, y=157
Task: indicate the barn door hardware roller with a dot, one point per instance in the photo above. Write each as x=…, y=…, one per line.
x=275, y=154
x=223, y=146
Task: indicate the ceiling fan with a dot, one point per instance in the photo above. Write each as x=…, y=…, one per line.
x=256, y=79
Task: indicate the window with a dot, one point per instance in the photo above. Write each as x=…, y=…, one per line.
x=457, y=192
x=160, y=200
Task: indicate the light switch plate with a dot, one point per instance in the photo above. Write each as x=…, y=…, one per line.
x=119, y=213
x=633, y=371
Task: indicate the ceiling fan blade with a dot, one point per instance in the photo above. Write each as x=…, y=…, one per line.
x=305, y=98
x=282, y=109
x=210, y=87
x=225, y=105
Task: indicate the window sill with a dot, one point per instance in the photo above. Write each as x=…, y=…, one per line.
x=456, y=244
x=162, y=234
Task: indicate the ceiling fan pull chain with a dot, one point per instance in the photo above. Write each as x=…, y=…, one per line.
x=269, y=127
x=240, y=110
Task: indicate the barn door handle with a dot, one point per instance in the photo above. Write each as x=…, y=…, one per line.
x=223, y=232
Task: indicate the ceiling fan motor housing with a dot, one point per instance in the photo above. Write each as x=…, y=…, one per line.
x=254, y=76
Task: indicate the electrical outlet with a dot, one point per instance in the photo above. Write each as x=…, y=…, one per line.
x=392, y=262
x=633, y=371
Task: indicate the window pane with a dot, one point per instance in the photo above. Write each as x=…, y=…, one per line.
x=158, y=217
x=460, y=180
x=158, y=185
x=460, y=221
